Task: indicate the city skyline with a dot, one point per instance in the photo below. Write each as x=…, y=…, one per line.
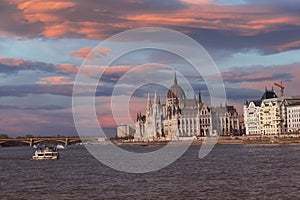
x=253, y=43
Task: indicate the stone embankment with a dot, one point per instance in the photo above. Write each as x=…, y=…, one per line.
x=256, y=139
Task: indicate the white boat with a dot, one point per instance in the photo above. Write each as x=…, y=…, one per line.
x=60, y=146
x=47, y=153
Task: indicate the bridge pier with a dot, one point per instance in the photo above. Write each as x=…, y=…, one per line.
x=66, y=142
x=31, y=142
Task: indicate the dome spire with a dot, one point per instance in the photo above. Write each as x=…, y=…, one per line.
x=155, y=98
x=175, y=78
x=199, y=96
x=148, y=102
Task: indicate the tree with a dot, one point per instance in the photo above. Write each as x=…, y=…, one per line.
x=29, y=136
x=3, y=136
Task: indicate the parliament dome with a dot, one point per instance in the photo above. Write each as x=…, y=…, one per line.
x=176, y=91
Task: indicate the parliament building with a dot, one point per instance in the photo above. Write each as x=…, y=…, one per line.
x=180, y=118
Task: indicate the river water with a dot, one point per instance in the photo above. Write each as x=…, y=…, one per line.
x=228, y=172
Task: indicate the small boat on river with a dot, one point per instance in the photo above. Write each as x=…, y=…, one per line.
x=60, y=146
x=47, y=153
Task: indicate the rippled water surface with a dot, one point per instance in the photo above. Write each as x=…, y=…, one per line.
x=228, y=172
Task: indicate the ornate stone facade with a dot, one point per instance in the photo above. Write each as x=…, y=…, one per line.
x=293, y=118
x=180, y=118
x=268, y=116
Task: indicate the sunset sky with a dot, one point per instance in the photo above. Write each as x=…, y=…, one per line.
x=254, y=43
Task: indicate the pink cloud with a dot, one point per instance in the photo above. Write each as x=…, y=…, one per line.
x=45, y=5
x=66, y=68
x=12, y=62
x=91, y=30
x=12, y=124
x=54, y=80
x=288, y=46
x=84, y=52
x=81, y=53
x=106, y=121
x=260, y=77
x=58, y=29
x=37, y=122
x=91, y=71
x=36, y=10
x=245, y=19
x=117, y=69
x=15, y=64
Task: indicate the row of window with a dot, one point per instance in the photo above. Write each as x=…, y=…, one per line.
x=204, y=121
x=294, y=120
x=293, y=125
x=294, y=110
x=294, y=115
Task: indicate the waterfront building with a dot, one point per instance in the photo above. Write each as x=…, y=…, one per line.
x=272, y=120
x=251, y=117
x=242, y=125
x=293, y=118
x=204, y=118
x=225, y=120
x=126, y=130
x=264, y=116
x=181, y=118
x=268, y=116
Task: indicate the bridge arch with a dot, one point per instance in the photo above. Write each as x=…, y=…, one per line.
x=14, y=143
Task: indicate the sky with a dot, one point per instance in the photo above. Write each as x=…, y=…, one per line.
x=254, y=43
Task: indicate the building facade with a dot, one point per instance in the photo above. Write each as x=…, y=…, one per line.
x=293, y=118
x=251, y=117
x=180, y=118
x=126, y=130
x=271, y=115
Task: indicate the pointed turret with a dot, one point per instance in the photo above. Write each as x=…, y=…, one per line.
x=155, y=98
x=199, y=97
x=175, y=78
x=149, y=105
x=148, y=101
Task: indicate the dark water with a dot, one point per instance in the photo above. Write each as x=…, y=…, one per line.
x=228, y=172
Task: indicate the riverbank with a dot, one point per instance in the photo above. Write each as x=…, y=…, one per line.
x=254, y=139
x=284, y=139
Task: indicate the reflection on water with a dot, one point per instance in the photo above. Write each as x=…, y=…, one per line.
x=228, y=172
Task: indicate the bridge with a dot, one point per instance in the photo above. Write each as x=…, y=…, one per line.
x=36, y=140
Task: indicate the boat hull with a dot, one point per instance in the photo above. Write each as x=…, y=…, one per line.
x=45, y=158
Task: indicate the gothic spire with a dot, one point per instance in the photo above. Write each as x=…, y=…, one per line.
x=155, y=98
x=148, y=102
x=199, y=96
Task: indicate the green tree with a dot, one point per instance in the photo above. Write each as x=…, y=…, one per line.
x=3, y=136
x=29, y=136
